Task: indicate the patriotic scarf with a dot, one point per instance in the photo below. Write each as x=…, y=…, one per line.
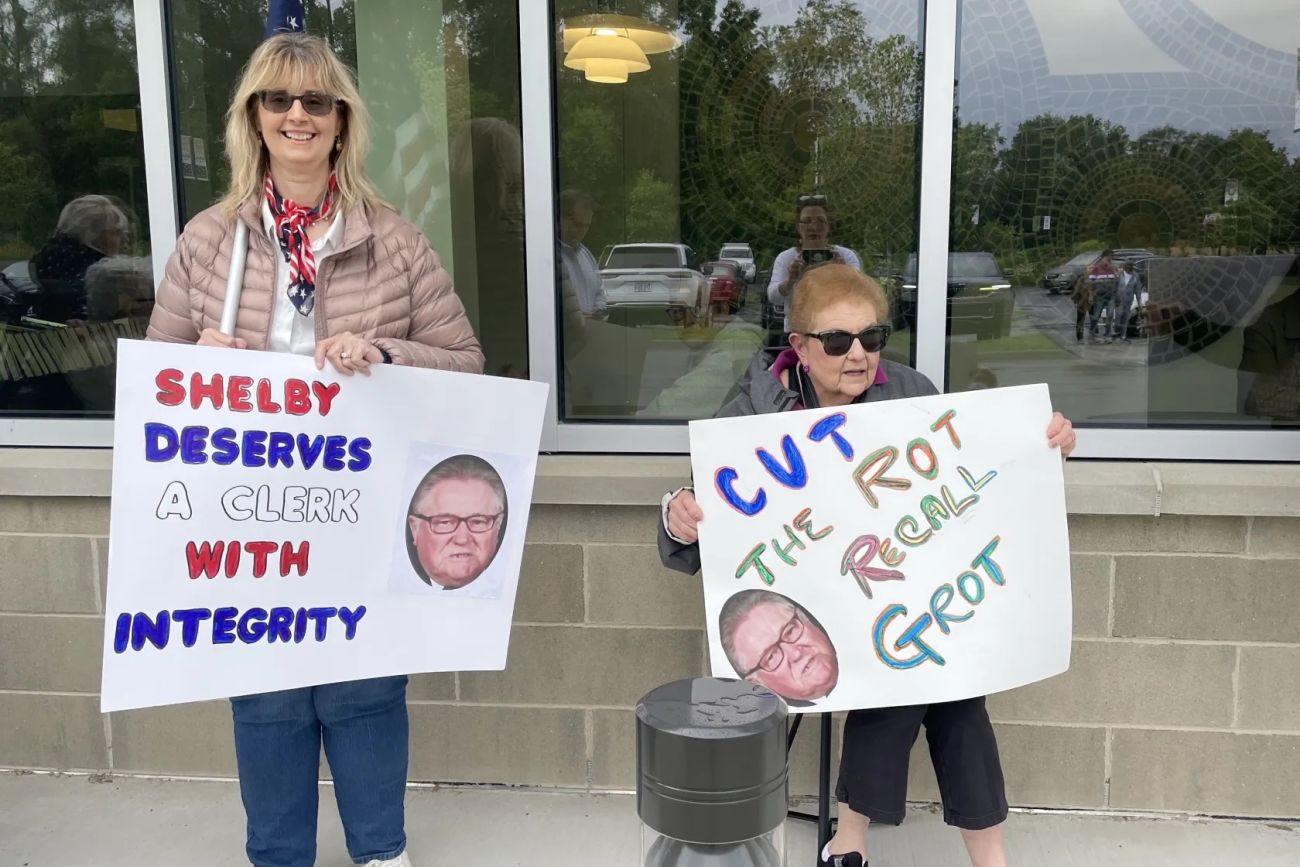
x=291, y=223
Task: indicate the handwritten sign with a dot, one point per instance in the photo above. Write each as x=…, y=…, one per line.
x=903, y=552
x=274, y=525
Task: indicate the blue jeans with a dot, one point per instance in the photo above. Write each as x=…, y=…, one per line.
x=1103, y=301
x=1120, y=313
x=278, y=738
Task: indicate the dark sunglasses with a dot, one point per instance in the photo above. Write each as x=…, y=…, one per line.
x=872, y=339
x=811, y=200
x=313, y=102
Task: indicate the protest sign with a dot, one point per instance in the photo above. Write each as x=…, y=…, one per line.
x=881, y=554
x=275, y=526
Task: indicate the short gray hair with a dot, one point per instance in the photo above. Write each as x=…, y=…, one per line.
x=462, y=467
x=91, y=219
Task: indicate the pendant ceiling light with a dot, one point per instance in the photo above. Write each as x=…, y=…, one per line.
x=607, y=59
x=606, y=47
x=603, y=71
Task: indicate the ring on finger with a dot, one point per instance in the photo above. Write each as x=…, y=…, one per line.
x=345, y=355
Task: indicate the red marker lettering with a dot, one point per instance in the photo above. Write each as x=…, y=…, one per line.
x=297, y=397
x=170, y=390
x=237, y=393
x=325, y=394
x=264, y=402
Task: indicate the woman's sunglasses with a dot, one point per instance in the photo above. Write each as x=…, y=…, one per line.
x=810, y=200
x=313, y=102
x=872, y=339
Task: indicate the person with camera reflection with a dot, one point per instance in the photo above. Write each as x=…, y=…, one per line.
x=813, y=225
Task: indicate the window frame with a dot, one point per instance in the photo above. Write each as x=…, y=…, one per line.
x=939, y=32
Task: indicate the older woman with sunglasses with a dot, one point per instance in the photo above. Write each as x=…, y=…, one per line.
x=332, y=272
x=834, y=359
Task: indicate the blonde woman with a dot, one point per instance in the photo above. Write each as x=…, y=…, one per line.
x=334, y=273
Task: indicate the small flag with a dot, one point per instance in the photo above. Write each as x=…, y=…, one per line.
x=284, y=16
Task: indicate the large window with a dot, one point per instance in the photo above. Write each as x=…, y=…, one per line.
x=1167, y=135
x=670, y=143
x=75, y=273
x=685, y=141
x=441, y=80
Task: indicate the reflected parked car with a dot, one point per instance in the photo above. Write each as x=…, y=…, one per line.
x=665, y=276
x=742, y=253
x=979, y=295
x=1063, y=277
x=726, y=283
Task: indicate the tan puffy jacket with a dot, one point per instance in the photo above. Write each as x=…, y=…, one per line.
x=383, y=283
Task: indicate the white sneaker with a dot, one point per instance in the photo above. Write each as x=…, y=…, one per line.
x=400, y=861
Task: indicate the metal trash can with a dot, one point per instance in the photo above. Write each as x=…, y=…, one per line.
x=711, y=775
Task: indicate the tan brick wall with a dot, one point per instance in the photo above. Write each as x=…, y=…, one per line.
x=1183, y=693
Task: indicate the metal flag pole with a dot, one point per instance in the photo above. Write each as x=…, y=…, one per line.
x=235, y=281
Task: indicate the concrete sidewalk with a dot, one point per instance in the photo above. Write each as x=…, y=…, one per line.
x=76, y=821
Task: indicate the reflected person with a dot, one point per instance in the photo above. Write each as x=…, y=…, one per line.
x=775, y=642
x=486, y=162
x=579, y=272
x=1103, y=282
x=1270, y=357
x=456, y=522
x=813, y=227
x=1121, y=312
x=52, y=285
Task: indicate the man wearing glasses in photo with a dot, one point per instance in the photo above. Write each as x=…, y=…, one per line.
x=456, y=522
x=775, y=642
x=812, y=222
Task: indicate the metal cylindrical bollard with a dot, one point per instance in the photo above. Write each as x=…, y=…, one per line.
x=711, y=775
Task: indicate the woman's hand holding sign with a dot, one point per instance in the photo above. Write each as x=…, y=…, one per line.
x=348, y=353
x=684, y=516
x=1060, y=434
x=213, y=337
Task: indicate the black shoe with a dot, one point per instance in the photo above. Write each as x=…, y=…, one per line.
x=852, y=859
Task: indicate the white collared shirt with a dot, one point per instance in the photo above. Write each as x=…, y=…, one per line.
x=291, y=331
x=583, y=275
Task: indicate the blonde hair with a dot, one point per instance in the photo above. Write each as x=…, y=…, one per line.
x=828, y=284
x=288, y=60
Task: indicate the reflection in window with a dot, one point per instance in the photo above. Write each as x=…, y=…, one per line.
x=682, y=171
x=441, y=81
x=1134, y=171
x=75, y=273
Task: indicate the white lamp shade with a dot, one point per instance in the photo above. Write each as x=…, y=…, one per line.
x=618, y=48
x=651, y=38
x=606, y=71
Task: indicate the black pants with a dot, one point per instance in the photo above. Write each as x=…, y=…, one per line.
x=878, y=744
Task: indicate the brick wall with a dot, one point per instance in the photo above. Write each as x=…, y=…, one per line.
x=1184, y=691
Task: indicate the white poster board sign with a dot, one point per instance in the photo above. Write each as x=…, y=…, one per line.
x=882, y=554
x=275, y=526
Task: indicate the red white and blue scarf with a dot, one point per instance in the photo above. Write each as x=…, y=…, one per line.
x=291, y=223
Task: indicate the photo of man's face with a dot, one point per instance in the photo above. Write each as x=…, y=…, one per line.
x=455, y=530
x=777, y=644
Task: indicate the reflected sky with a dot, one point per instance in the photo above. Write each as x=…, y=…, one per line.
x=1200, y=65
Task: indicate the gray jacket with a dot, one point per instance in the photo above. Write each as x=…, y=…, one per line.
x=761, y=392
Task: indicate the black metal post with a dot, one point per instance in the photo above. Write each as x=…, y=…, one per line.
x=824, y=789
